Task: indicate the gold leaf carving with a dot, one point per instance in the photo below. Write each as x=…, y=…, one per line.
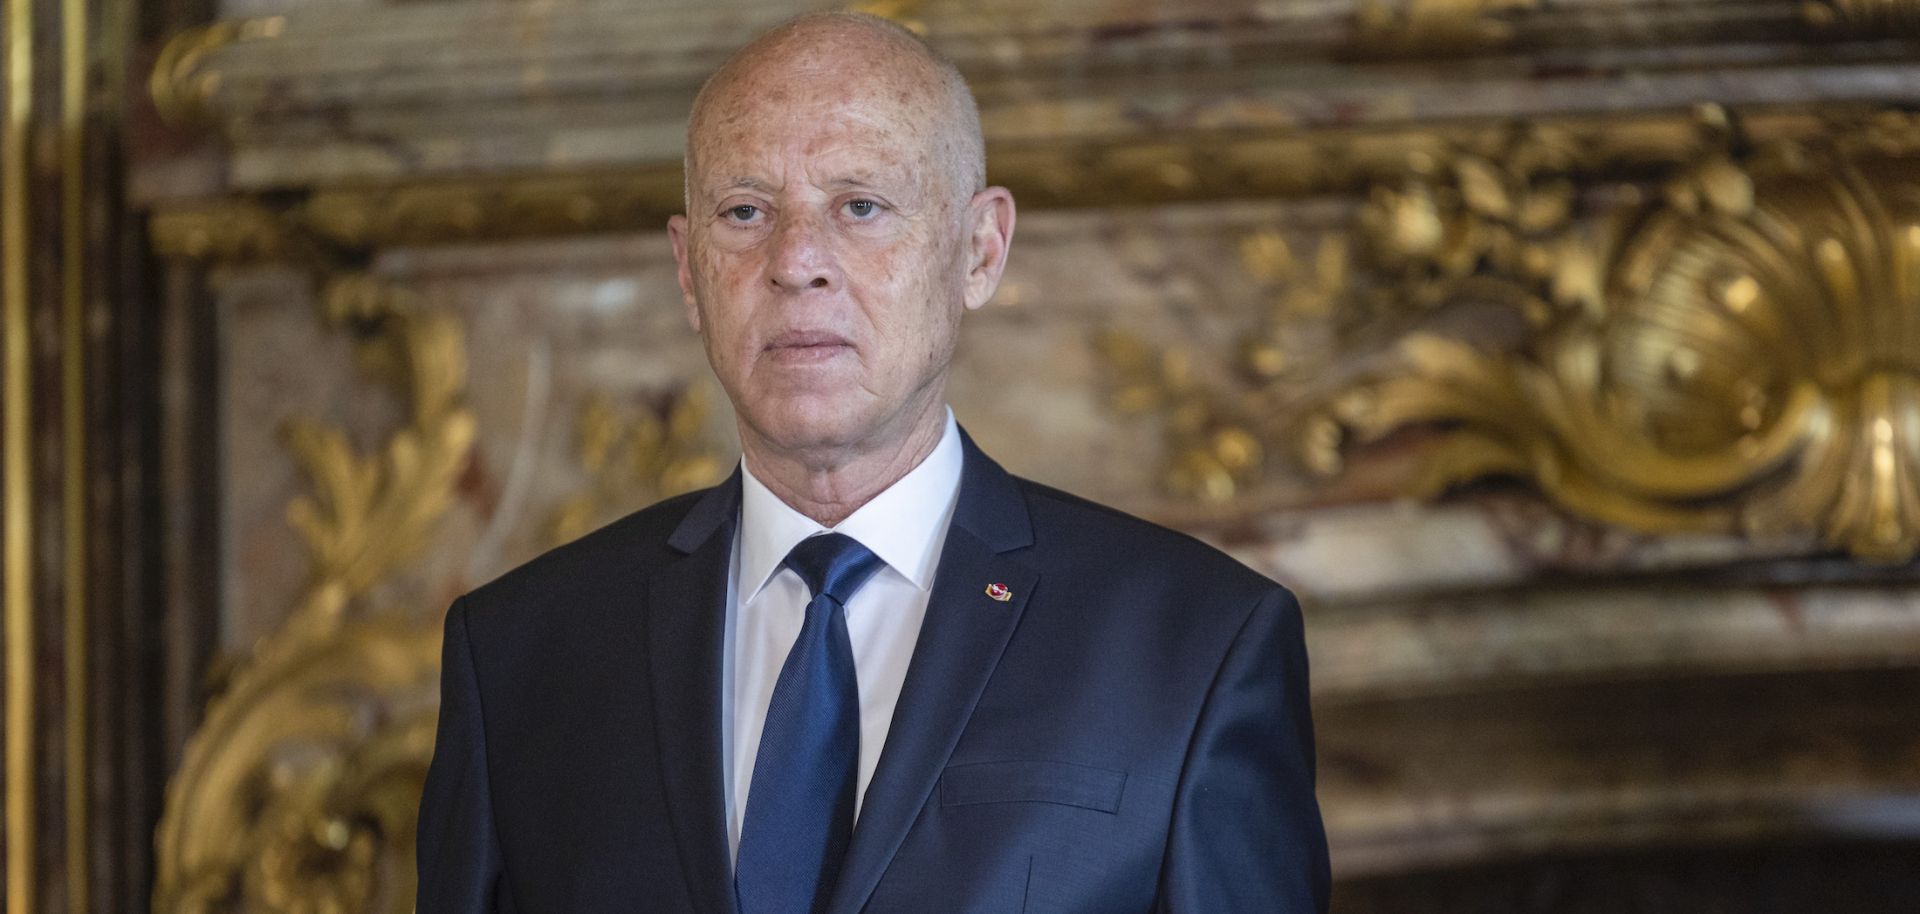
x=1476, y=224
x=299, y=792
x=367, y=516
x=635, y=457
x=1730, y=349
x=1212, y=455
x=1752, y=369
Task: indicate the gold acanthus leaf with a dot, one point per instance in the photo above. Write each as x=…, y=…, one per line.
x=298, y=793
x=370, y=514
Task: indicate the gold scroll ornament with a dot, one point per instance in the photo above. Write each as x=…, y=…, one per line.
x=298, y=794
x=1738, y=351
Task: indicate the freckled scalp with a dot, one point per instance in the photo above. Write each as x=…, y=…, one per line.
x=852, y=53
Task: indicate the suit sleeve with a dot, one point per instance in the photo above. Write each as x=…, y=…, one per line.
x=458, y=850
x=1246, y=836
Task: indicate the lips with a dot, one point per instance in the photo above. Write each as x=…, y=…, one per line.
x=807, y=345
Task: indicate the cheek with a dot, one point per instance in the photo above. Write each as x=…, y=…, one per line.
x=724, y=284
x=717, y=267
x=928, y=312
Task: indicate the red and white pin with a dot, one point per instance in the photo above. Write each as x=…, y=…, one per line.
x=999, y=592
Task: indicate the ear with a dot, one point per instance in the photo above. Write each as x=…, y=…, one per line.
x=990, y=219
x=677, y=231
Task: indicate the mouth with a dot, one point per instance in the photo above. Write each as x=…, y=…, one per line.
x=805, y=346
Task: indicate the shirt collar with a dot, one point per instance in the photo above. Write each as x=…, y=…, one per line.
x=903, y=524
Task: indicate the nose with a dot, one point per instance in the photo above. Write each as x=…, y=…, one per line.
x=799, y=258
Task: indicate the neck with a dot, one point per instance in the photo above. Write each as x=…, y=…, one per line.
x=829, y=486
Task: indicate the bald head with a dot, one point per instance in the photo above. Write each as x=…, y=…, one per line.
x=850, y=56
x=838, y=226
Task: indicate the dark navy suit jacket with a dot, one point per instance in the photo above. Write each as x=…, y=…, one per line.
x=1129, y=732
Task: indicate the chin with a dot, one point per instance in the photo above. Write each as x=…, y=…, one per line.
x=811, y=421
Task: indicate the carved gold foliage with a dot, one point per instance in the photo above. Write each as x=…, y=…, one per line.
x=1732, y=348
x=1485, y=224
x=1212, y=453
x=366, y=516
x=1490, y=221
x=633, y=457
x=1398, y=27
x=299, y=792
x=1752, y=368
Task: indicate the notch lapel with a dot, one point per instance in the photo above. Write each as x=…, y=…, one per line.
x=960, y=643
x=686, y=619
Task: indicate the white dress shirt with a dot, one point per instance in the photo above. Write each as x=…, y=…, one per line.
x=905, y=525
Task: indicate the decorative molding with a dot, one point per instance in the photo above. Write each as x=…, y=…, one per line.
x=633, y=458
x=299, y=792
x=323, y=224
x=17, y=539
x=1434, y=27
x=1631, y=766
x=603, y=88
x=235, y=230
x=1728, y=350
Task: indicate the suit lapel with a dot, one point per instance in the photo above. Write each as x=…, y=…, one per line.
x=686, y=620
x=960, y=642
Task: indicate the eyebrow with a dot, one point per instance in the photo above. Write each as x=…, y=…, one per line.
x=849, y=182
x=740, y=183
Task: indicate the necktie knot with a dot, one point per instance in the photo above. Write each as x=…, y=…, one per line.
x=833, y=564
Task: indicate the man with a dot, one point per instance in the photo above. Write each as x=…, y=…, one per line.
x=871, y=671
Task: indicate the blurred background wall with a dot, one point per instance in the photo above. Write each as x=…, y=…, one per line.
x=1563, y=355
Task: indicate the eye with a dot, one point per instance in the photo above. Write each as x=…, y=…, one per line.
x=743, y=213
x=861, y=209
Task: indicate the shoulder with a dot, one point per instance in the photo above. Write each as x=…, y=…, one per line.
x=1092, y=538
x=596, y=562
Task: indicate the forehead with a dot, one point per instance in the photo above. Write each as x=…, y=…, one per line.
x=861, y=136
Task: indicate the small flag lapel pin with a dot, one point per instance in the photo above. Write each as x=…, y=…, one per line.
x=999, y=592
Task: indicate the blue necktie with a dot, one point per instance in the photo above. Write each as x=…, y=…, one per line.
x=800, y=802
